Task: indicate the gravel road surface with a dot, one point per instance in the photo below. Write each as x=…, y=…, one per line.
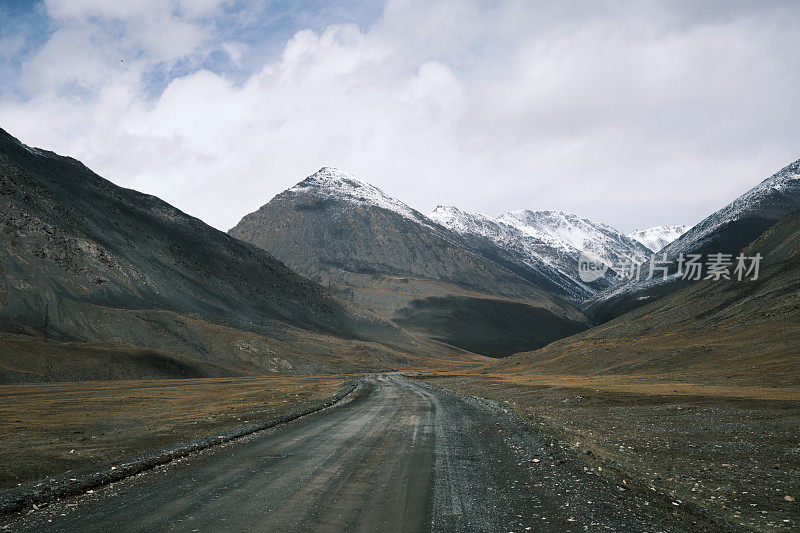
x=396, y=455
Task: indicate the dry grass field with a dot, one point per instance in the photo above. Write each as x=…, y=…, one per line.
x=731, y=450
x=46, y=428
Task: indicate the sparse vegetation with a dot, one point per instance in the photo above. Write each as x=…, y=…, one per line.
x=46, y=428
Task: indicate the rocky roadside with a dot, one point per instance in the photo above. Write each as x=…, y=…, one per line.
x=733, y=463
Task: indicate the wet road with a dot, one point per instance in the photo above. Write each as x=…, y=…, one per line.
x=396, y=455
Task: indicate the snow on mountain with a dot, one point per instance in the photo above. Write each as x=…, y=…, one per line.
x=768, y=201
x=548, y=243
x=329, y=182
x=658, y=237
x=477, y=224
x=527, y=256
x=572, y=234
x=466, y=223
x=541, y=246
x=726, y=231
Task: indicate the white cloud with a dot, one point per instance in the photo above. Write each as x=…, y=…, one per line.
x=635, y=117
x=235, y=51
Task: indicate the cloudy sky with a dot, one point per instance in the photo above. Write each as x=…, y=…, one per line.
x=632, y=113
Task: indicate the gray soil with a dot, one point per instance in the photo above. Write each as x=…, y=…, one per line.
x=399, y=456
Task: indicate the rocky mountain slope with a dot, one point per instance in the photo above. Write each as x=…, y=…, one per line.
x=387, y=257
x=727, y=332
x=657, y=237
x=739, y=223
x=726, y=231
x=545, y=246
x=573, y=234
x=82, y=260
x=551, y=268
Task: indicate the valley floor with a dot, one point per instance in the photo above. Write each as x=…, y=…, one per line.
x=728, y=452
x=394, y=455
x=626, y=453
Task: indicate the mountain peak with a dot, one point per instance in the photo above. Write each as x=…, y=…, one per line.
x=442, y=211
x=338, y=185
x=551, y=217
x=657, y=237
x=333, y=170
x=331, y=177
x=543, y=212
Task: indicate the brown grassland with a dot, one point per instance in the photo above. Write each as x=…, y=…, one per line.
x=47, y=428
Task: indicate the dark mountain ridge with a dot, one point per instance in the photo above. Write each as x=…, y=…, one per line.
x=726, y=231
x=85, y=260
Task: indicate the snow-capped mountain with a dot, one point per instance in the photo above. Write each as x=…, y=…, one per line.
x=332, y=222
x=527, y=256
x=739, y=223
x=658, y=237
x=726, y=231
x=335, y=184
x=547, y=242
x=380, y=254
x=573, y=234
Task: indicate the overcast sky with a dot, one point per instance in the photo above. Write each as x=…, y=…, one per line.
x=631, y=113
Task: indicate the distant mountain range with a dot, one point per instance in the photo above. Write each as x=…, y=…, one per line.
x=726, y=231
x=414, y=269
x=551, y=269
x=546, y=245
x=572, y=234
x=85, y=261
x=384, y=256
x=444, y=275
x=733, y=333
x=101, y=282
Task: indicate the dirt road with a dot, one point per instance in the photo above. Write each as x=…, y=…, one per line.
x=394, y=456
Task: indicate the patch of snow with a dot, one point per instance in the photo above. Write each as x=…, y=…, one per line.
x=570, y=233
x=553, y=258
x=30, y=149
x=656, y=238
x=34, y=151
x=337, y=184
